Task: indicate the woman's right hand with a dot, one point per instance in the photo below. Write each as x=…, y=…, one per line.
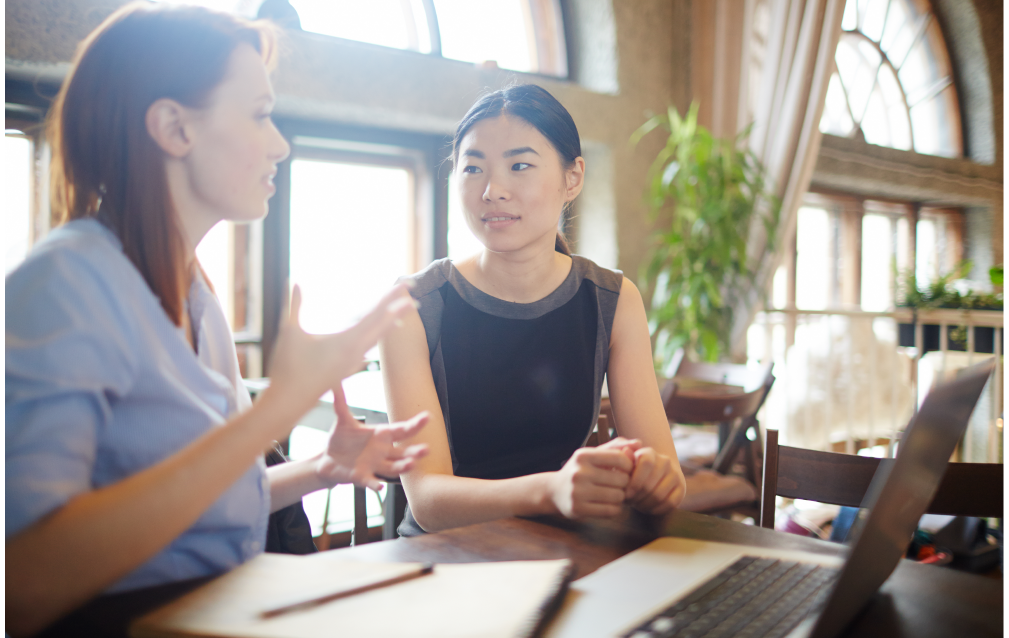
x=592, y=483
x=305, y=365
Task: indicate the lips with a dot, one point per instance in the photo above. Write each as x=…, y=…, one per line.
x=498, y=221
x=268, y=180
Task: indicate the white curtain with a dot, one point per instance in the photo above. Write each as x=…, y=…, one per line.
x=784, y=97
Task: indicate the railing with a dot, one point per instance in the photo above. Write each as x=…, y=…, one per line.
x=847, y=380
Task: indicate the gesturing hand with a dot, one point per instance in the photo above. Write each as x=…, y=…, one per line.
x=593, y=480
x=304, y=365
x=358, y=453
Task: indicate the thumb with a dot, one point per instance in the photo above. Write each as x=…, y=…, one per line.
x=407, y=429
x=391, y=307
x=295, y=310
x=340, y=407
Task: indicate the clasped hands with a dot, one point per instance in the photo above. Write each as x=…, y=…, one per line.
x=596, y=482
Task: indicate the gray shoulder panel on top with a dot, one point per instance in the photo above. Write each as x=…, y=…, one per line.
x=426, y=286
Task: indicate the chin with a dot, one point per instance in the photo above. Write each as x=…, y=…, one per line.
x=250, y=214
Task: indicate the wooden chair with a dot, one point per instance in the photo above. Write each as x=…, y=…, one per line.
x=724, y=393
x=967, y=489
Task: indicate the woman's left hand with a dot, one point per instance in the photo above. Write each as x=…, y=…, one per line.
x=361, y=454
x=657, y=485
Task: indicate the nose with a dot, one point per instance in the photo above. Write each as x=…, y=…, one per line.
x=279, y=148
x=495, y=191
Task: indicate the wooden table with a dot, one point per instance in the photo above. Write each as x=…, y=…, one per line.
x=918, y=600
x=923, y=601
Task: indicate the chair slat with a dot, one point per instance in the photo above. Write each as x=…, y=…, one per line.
x=966, y=489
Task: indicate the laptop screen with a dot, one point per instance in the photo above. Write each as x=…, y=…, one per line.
x=900, y=494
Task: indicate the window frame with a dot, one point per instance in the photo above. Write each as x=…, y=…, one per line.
x=424, y=153
x=928, y=32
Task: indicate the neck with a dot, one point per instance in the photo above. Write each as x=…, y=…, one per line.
x=522, y=277
x=195, y=221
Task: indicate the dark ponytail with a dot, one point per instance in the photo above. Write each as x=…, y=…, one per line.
x=561, y=245
x=538, y=108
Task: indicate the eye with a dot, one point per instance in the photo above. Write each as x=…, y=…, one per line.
x=520, y=166
x=471, y=169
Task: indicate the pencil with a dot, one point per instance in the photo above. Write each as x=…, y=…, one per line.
x=423, y=570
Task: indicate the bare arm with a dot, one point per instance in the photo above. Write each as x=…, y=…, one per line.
x=586, y=486
x=75, y=552
x=657, y=484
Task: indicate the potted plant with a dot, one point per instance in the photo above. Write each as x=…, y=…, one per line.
x=942, y=294
x=706, y=195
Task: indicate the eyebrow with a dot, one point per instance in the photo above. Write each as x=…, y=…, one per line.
x=512, y=153
x=519, y=151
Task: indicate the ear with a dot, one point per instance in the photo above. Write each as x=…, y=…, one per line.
x=167, y=124
x=574, y=179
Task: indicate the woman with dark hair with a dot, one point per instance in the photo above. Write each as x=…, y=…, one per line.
x=509, y=348
x=134, y=456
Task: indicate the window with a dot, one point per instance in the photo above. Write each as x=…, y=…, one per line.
x=850, y=253
x=18, y=162
x=461, y=240
x=893, y=82
x=521, y=35
x=351, y=234
x=355, y=209
x=231, y=257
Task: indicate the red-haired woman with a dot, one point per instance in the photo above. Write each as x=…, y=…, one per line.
x=133, y=453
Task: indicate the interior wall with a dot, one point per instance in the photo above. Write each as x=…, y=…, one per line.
x=332, y=80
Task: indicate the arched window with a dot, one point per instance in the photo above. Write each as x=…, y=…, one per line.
x=521, y=35
x=893, y=82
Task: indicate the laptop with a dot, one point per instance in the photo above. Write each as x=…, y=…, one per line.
x=685, y=587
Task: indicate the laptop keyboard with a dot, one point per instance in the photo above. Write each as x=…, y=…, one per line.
x=753, y=597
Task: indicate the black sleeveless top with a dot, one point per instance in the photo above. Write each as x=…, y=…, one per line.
x=519, y=384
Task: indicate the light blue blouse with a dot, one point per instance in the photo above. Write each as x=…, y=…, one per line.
x=101, y=384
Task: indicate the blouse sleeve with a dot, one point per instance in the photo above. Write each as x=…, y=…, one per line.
x=68, y=357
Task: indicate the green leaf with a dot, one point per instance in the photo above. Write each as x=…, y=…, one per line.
x=708, y=191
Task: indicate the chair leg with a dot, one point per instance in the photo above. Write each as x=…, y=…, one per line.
x=769, y=489
x=728, y=452
x=359, y=535
x=323, y=542
x=394, y=509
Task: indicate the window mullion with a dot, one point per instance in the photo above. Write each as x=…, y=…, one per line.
x=432, y=27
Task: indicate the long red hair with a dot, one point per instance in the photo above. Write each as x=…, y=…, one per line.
x=105, y=164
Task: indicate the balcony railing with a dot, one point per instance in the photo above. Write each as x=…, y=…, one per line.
x=846, y=380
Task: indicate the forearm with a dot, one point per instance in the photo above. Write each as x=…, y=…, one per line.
x=443, y=501
x=98, y=537
x=290, y=481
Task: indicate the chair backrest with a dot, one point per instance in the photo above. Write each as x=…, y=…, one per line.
x=688, y=405
x=715, y=392
x=967, y=489
x=747, y=377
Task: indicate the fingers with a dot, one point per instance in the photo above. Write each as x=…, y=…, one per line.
x=610, y=459
x=647, y=474
x=620, y=443
x=665, y=496
x=295, y=311
x=386, y=312
x=406, y=429
x=340, y=407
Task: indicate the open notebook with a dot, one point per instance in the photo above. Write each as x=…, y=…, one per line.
x=494, y=600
